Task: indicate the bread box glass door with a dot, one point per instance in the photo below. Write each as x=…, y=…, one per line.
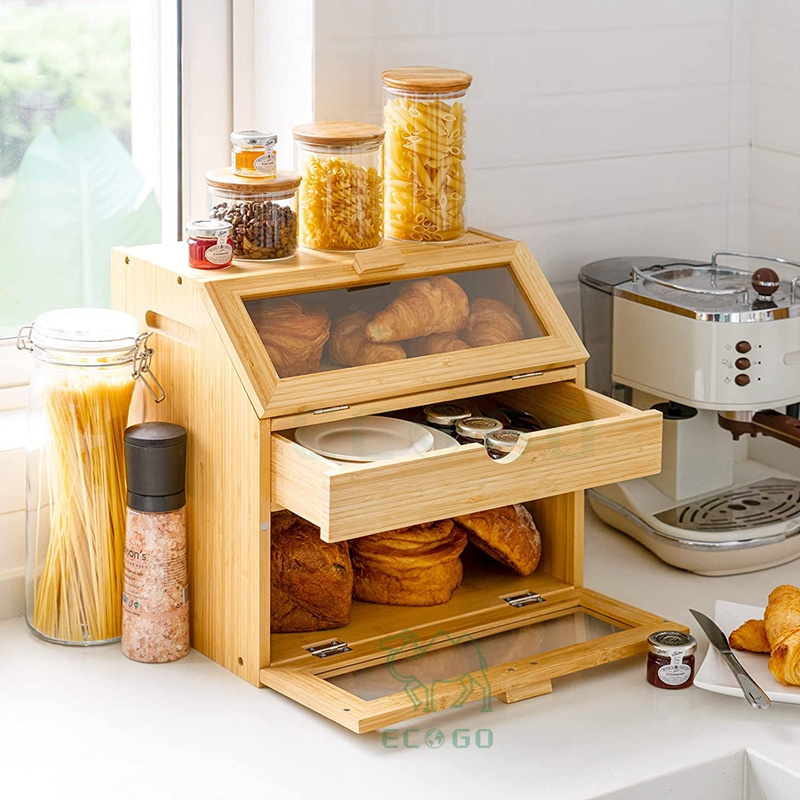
x=330, y=334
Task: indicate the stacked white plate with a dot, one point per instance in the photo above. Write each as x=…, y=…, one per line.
x=372, y=438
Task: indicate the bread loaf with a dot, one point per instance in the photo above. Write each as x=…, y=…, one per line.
x=312, y=581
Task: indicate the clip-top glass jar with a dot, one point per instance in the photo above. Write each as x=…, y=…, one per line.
x=263, y=213
x=423, y=114
x=87, y=363
x=210, y=245
x=253, y=154
x=341, y=199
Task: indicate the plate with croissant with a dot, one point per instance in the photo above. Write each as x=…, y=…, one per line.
x=766, y=642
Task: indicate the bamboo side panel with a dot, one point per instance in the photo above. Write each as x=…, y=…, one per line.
x=225, y=463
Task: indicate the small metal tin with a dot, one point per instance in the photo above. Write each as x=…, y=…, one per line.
x=208, y=228
x=445, y=415
x=502, y=441
x=667, y=643
x=475, y=429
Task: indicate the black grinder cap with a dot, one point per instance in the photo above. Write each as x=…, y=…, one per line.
x=155, y=463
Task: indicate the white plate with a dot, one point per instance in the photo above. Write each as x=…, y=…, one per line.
x=366, y=438
x=441, y=441
x=715, y=675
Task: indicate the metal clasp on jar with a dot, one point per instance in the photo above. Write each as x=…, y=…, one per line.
x=24, y=338
x=141, y=367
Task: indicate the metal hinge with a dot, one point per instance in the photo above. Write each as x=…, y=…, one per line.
x=526, y=375
x=332, y=648
x=524, y=599
x=329, y=409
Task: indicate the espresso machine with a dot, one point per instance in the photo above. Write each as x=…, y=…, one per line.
x=716, y=349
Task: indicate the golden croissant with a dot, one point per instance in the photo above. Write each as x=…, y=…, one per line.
x=778, y=634
x=349, y=344
x=491, y=322
x=782, y=621
x=437, y=343
x=292, y=336
x=422, y=307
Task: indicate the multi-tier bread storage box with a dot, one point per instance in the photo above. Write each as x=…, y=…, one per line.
x=501, y=634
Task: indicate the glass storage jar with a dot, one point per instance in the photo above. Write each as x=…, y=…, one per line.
x=253, y=154
x=341, y=198
x=86, y=365
x=263, y=213
x=423, y=114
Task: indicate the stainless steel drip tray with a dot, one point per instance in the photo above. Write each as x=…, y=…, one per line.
x=767, y=502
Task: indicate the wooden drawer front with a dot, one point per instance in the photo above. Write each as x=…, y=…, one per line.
x=595, y=441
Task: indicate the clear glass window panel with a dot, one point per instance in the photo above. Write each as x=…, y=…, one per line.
x=69, y=188
x=339, y=328
x=465, y=656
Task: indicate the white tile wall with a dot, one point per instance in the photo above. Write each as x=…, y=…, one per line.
x=595, y=128
x=775, y=104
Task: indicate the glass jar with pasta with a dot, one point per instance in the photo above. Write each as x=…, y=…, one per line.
x=87, y=365
x=425, y=188
x=341, y=196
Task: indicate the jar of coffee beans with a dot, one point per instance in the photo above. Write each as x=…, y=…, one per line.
x=262, y=212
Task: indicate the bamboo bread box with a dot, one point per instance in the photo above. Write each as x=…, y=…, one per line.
x=243, y=464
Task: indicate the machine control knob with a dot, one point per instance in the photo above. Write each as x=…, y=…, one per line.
x=743, y=347
x=742, y=363
x=766, y=282
x=742, y=380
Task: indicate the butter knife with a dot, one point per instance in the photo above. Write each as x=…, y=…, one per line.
x=753, y=693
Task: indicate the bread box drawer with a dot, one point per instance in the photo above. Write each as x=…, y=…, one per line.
x=590, y=440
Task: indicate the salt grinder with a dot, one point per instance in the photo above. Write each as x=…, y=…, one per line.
x=155, y=599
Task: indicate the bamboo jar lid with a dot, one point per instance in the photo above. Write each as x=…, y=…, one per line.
x=225, y=178
x=426, y=80
x=335, y=134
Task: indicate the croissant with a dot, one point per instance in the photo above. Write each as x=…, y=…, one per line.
x=751, y=636
x=415, y=566
x=350, y=346
x=437, y=343
x=292, y=336
x=491, y=322
x=423, y=307
x=782, y=621
x=508, y=534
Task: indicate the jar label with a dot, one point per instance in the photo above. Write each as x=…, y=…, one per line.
x=266, y=163
x=674, y=674
x=219, y=254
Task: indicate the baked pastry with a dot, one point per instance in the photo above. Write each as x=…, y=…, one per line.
x=415, y=566
x=751, y=636
x=350, y=346
x=293, y=337
x=436, y=343
x=508, y=534
x=312, y=581
x=782, y=622
x=422, y=307
x=491, y=322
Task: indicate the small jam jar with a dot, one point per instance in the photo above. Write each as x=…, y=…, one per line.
x=210, y=245
x=445, y=415
x=253, y=154
x=670, y=662
x=501, y=443
x=476, y=429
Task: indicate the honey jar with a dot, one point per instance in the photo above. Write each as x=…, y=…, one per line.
x=500, y=443
x=444, y=416
x=253, y=154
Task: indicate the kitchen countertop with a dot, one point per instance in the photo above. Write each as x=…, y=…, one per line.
x=88, y=723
